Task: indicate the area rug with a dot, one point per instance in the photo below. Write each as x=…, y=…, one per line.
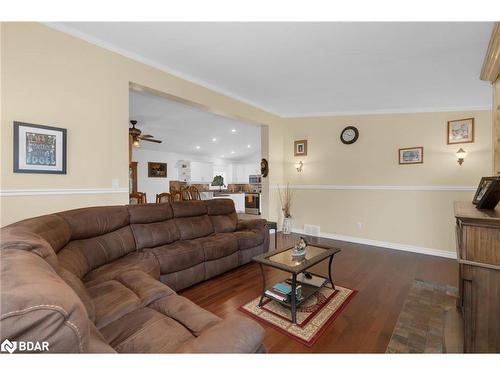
x=313, y=316
x=420, y=326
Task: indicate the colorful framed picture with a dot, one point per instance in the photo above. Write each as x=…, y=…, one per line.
x=39, y=149
x=156, y=169
x=300, y=148
x=461, y=131
x=413, y=155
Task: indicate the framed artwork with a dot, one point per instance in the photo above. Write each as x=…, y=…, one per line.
x=300, y=148
x=156, y=169
x=413, y=155
x=461, y=131
x=487, y=193
x=39, y=149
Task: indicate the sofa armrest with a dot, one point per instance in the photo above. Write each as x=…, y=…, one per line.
x=235, y=334
x=259, y=224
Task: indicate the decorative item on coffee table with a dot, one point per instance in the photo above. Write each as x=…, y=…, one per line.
x=299, y=251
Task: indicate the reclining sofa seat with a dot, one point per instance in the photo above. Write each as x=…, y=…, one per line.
x=86, y=280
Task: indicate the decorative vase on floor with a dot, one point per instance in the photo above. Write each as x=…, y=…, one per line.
x=287, y=225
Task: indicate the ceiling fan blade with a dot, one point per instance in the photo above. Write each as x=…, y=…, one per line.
x=150, y=140
x=147, y=136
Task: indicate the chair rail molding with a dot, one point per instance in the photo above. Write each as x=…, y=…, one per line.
x=380, y=187
x=81, y=191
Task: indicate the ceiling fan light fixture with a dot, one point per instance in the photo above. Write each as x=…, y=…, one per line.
x=136, y=143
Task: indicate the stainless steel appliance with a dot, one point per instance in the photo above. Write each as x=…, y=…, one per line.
x=255, y=179
x=252, y=203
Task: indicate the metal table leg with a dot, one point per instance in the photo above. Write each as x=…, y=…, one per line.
x=263, y=285
x=330, y=271
x=293, y=299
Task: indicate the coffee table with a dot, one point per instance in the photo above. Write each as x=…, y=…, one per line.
x=282, y=260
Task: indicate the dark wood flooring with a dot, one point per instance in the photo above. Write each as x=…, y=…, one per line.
x=383, y=278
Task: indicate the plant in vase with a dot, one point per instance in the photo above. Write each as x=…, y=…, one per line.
x=218, y=181
x=286, y=203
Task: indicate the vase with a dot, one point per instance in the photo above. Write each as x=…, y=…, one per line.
x=287, y=225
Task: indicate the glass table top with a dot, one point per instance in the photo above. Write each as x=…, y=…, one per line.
x=285, y=257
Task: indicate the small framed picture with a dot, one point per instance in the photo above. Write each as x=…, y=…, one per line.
x=413, y=155
x=461, y=131
x=156, y=169
x=39, y=149
x=300, y=148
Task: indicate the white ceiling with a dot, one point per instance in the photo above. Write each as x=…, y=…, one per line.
x=182, y=127
x=300, y=69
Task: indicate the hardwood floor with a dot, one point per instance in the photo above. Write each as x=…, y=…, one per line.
x=382, y=277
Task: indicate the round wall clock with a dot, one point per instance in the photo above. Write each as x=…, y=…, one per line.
x=349, y=135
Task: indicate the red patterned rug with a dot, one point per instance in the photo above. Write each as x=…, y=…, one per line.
x=313, y=316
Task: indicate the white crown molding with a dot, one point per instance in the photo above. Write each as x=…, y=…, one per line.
x=152, y=63
x=486, y=107
x=380, y=187
x=83, y=191
x=389, y=245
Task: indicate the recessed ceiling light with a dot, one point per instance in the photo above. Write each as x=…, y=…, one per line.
x=222, y=156
x=233, y=130
x=197, y=147
x=232, y=152
x=249, y=146
x=214, y=139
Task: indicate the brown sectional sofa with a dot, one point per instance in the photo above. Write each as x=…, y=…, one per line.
x=103, y=279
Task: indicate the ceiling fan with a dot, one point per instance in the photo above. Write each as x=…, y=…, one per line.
x=137, y=135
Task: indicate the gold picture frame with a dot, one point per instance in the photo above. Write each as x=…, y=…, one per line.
x=460, y=131
x=300, y=148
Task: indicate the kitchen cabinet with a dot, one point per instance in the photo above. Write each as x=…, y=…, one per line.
x=202, y=171
x=242, y=171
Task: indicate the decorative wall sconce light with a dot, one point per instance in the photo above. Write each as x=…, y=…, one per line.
x=298, y=166
x=461, y=155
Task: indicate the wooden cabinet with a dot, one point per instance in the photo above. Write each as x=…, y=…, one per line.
x=132, y=177
x=478, y=253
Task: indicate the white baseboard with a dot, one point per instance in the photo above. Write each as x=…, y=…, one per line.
x=388, y=245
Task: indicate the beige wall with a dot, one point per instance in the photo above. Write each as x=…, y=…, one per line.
x=417, y=218
x=52, y=78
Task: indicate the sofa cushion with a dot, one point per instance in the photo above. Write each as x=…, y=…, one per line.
x=145, y=331
x=235, y=334
x=76, y=284
x=127, y=292
x=249, y=238
x=37, y=305
x=140, y=261
x=85, y=255
x=155, y=234
x=222, y=214
x=95, y=221
x=218, y=245
x=149, y=213
x=194, y=227
x=177, y=256
x=189, y=208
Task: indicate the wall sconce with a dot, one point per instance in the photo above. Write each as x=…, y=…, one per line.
x=461, y=155
x=298, y=166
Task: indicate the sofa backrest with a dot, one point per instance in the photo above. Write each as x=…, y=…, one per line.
x=99, y=235
x=222, y=214
x=152, y=225
x=191, y=217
